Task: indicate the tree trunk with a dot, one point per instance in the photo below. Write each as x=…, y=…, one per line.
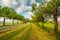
x=55, y=20
x=4, y=21
x=55, y=23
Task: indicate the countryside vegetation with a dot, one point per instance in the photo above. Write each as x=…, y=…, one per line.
x=38, y=28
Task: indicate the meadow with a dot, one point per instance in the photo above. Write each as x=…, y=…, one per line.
x=30, y=31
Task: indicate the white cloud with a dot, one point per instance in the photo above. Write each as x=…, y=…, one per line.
x=19, y=5
x=23, y=8
x=6, y=2
x=47, y=0
x=33, y=1
x=29, y=14
x=9, y=3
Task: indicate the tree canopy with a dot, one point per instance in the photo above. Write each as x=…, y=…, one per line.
x=10, y=13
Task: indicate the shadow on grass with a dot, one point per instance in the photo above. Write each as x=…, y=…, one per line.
x=52, y=32
x=58, y=35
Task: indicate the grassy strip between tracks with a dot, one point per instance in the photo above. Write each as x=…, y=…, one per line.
x=23, y=35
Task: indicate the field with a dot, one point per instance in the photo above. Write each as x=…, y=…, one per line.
x=30, y=31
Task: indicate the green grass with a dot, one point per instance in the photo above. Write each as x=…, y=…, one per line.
x=14, y=33
x=26, y=34
x=50, y=28
x=29, y=31
x=49, y=25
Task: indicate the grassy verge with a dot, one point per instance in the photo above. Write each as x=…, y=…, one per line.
x=24, y=35
x=50, y=28
x=9, y=35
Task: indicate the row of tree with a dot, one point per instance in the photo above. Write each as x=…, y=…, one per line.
x=10, y=13
x=46, y=10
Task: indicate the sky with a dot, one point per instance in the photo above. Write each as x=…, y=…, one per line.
x=22, y=7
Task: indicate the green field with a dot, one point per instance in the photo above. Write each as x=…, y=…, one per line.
x=30, y=31
x=29, y=19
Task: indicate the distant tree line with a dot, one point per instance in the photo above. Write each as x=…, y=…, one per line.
x=10, y=13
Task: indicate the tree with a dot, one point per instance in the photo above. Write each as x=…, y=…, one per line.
x=12, y=15
x=4, y=13
x=0, y=10
x=27, y=20
x=52, y=8
x=40, y=15
x=33, y=7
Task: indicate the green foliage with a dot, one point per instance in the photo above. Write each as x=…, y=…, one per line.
x=53, y=8
x=0, y=11
x=46, y=10
x=33, y=7
x=10, y=13
x=39, y=14
x=26, y=20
